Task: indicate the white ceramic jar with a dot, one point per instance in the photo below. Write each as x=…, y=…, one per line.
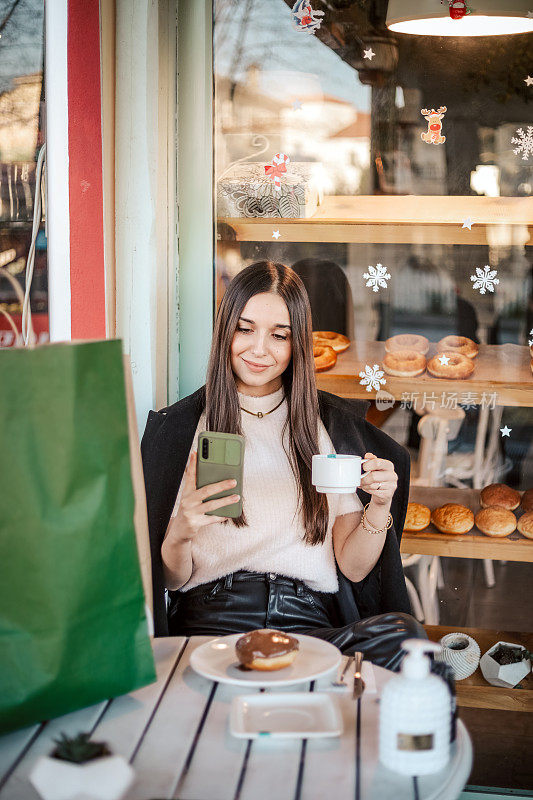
x=461, y=652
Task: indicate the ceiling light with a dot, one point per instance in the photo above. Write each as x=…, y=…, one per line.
x=486, y=17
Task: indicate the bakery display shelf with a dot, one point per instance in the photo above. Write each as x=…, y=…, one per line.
x=502, y=370
x=473, y=544
x=475, y=692
x=397, y=219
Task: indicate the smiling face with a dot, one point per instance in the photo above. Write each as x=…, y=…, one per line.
x=262, y=345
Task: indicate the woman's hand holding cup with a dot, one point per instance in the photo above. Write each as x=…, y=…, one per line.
x=379, y=479
x=192, y=511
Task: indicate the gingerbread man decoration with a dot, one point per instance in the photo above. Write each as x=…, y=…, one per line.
x=433, y=134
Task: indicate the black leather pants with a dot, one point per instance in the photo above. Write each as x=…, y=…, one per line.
x=244, y=601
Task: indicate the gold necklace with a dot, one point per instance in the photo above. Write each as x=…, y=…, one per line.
x=262, y=414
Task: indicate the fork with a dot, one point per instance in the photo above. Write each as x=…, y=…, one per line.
x=340, y=682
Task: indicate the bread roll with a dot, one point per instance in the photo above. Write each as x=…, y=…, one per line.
x=453, y=518
x=495, y=521
x=498, y=494
x=525, y=525
x=417, y=518
x=526, y=503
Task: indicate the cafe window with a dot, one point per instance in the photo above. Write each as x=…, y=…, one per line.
x=22, y=124
x=394, y=174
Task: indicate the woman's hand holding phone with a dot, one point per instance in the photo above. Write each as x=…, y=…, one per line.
x=192, y=510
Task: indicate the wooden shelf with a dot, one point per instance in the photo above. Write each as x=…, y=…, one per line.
x=475, y=692
x=502, y=369
x=469, y=545
x=396, y=219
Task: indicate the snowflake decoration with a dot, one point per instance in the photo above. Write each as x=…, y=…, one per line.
x=484, y=279
x=377, y=276
x=372, y=377
x=531, y=340
x=524, y=142
x=304, y=18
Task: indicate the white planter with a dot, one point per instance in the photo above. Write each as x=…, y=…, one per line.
x=106, y=778
x=463, y=662
x=506, y=675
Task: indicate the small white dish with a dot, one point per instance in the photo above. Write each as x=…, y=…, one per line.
x=303, y=715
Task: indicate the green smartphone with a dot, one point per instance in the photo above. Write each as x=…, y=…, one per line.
x=221, y=457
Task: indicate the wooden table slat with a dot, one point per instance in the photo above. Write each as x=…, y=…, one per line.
x=162, y=753
x=12, y=746
x=218, y=748
x=125, y=720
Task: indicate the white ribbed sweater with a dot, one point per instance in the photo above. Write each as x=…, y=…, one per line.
x=273, y=539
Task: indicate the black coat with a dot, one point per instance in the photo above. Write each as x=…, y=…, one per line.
x=165, y=448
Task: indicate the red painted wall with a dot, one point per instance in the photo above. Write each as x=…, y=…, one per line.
x=87, y=276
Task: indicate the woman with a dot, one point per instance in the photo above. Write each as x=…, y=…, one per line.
x=295, y=559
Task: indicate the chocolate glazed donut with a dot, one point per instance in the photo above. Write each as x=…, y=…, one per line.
x=266, y=649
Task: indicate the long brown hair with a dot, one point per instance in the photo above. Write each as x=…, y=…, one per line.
x=222, y=402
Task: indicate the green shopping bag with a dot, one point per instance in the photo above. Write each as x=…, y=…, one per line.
x=73, y=629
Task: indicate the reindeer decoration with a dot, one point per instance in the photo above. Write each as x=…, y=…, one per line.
x=433, y=134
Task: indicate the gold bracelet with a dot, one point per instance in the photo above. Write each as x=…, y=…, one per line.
x=372, y=529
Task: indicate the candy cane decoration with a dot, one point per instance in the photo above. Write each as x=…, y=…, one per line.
x=277, y=168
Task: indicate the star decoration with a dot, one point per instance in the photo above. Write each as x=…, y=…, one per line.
x=276, y=234
x=467, y=223
x=369, y=53
x=528, y=81
x=444, y=359
x=297, y=105
x=505, y=431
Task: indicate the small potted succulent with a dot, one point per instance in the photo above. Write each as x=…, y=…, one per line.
x=77, y=767
x=506, y=664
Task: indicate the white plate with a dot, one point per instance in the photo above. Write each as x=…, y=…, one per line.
x=305, y=715
x=217, y=661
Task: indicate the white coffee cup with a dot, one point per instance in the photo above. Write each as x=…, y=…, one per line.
x=336, y=474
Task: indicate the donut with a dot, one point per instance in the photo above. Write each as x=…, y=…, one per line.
x=525, y=525
x=338, y=341
x=526, y=503
x=407, y=341
x=266, y=649
x=417, y=517
x=458, y=367
x=498, y=494
x=404, y=363
x=325, y=357
x=495, y=521
x=453, y=518
x=458, y=344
